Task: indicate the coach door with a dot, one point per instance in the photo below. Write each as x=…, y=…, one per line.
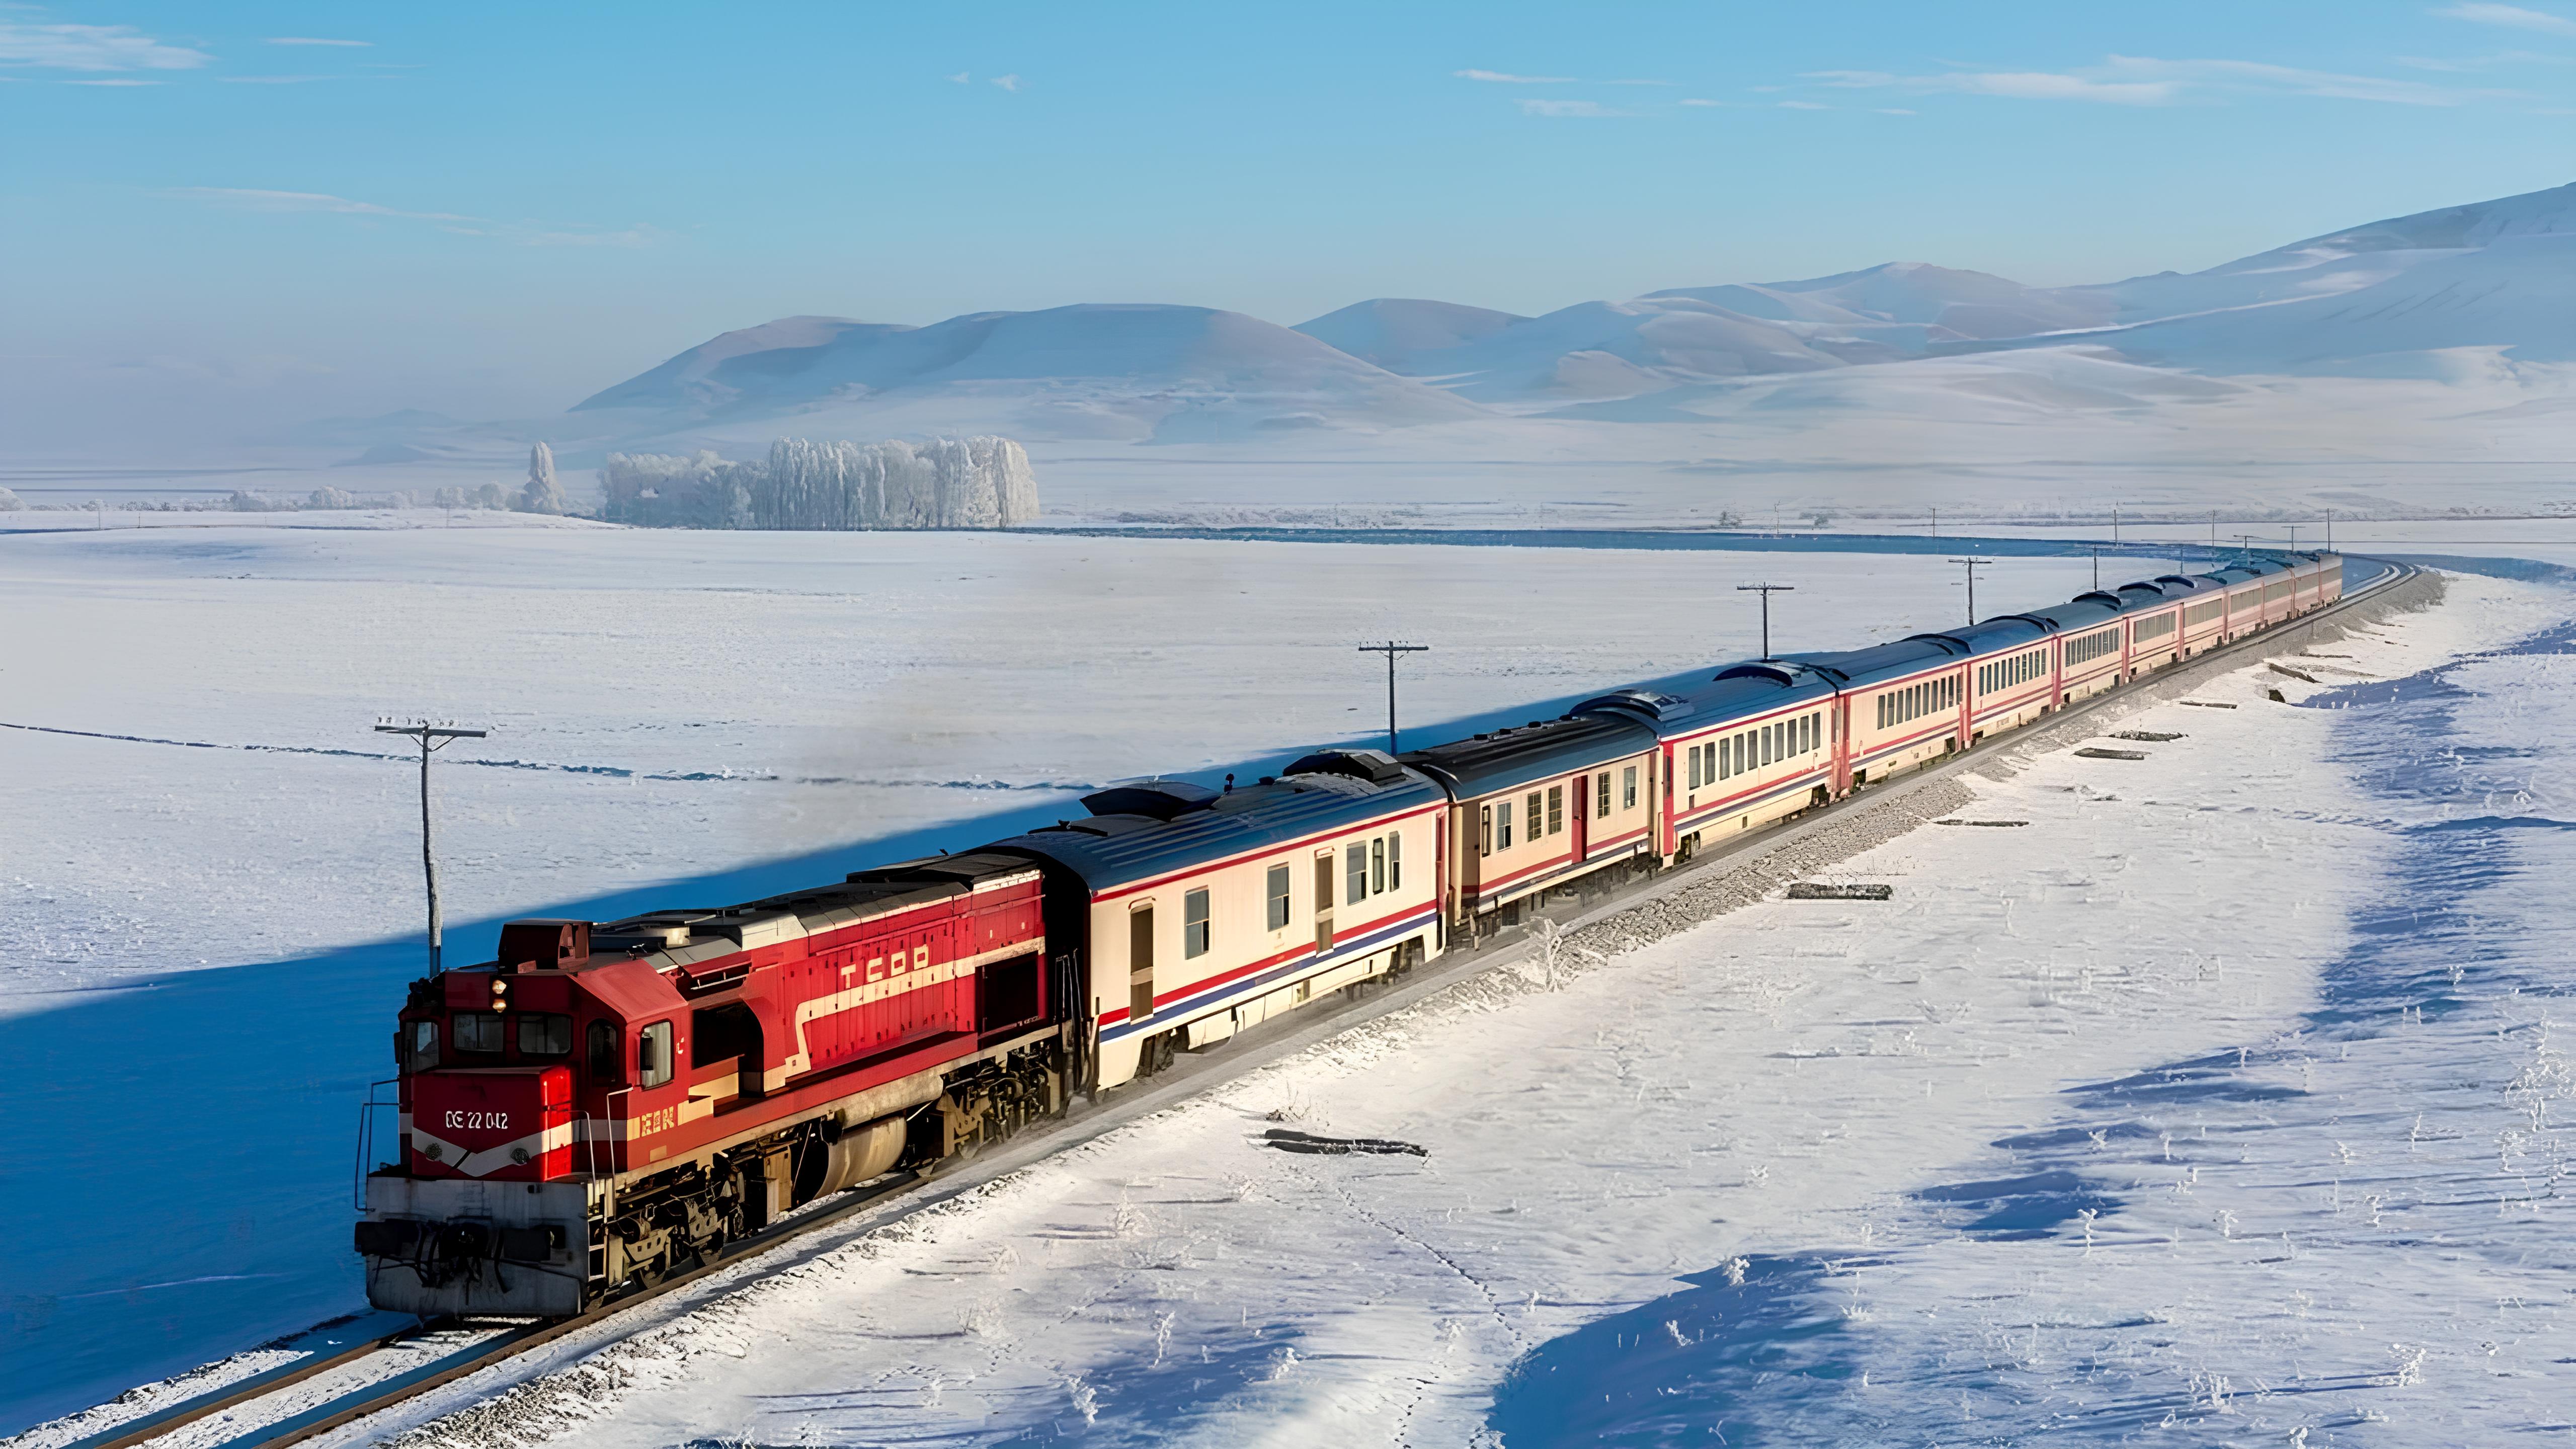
x=1583, y=815
x=1140, y=963
x=1323, y=902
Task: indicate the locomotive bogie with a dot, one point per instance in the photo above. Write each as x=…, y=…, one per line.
x=440, y=1247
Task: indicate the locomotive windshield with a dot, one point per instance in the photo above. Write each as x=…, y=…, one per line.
x=544, y=1034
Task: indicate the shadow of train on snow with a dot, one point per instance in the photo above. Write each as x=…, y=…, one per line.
x=183, y=1149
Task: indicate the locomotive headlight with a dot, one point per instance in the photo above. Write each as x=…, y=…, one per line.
x=500, y=992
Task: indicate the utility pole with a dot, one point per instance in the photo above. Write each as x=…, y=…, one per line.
x=432, y=738
x=1766, y=591
x=2097, y=571
x=1936, y=522
x=1973, y=564
x=2329, y=530
x=2294, y=538
x=2115, y=525
x=1391, y=649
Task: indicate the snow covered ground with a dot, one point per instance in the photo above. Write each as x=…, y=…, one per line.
x=2222, y=1102
x=209, y=890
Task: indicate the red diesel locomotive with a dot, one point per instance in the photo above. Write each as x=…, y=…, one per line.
x=604, y=1103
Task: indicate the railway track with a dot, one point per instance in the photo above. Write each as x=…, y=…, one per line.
x=420, y=1358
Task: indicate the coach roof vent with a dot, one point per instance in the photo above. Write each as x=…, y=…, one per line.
x=1153, y=799
x=1643, y=703
x=1375, y=766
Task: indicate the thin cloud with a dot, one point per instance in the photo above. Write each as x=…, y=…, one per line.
x=633, y=236
x=1577, y=110
x=1008, y=82
x=111, y=83
x=273, y=80
x=2511, y=17
x=2127, y=80
x=1700, y=101
x=1500, y=78
x=526, y=234
x=1893, y=111
x=962, y=77
x=256, y=200
x=91, y=47
x=1801, y=106
x=316, y=40
x=2483, y=62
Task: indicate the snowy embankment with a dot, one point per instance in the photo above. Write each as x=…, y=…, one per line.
x=2220, y=1097
x=209, y=864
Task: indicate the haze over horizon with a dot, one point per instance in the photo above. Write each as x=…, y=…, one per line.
x=302, y=211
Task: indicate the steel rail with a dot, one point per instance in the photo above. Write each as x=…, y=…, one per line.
x=1185, y=1078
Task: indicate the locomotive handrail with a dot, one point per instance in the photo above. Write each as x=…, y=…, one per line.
x=590, y=1139
x=367, y=1136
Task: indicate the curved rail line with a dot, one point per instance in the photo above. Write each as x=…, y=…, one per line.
x=1086, y=1120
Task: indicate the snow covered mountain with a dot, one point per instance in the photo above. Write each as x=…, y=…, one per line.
x=1094, y=370
x=2433, y=295
x=2367, y=301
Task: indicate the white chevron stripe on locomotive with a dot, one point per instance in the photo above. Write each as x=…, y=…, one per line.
x=492, y=1159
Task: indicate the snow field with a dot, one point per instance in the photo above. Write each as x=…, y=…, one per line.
x=678, y=718
x=667, y=705
x=1784, y=1080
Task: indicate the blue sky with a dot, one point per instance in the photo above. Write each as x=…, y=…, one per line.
x=236, y=215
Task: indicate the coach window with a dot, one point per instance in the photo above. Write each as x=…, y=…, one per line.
x=476, y=1031
x=1629, y=787
x=1503, y=826
x=601, y=1048
x=1278, y=892
x=1377, y=866
x=1694, y=767
x=1194, y=924
x=1555, y=809
x=1533, y=823
x=1355, y=872
x=653, y=1055
x=544, y=1034
x=1601, y=810
x=1395, y=861
x=1484, y=830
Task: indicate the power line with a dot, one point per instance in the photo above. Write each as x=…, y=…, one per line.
x=1391, y=649
x=1973, y=565
x=1766, y=591
x=433, y=738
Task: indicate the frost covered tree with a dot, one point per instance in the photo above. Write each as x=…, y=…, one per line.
x=543, y=494
x=981, y=482
x=329, y=497
x=492, y=496
x=10, y=502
